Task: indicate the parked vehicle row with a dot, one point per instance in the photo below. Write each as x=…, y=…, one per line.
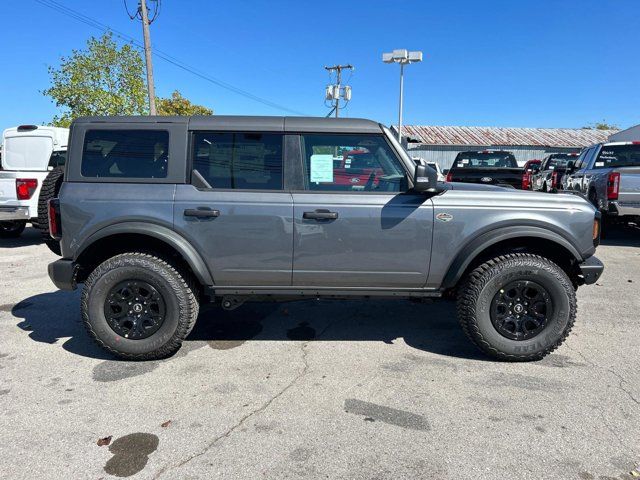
x=608, y=174
x=547, y=176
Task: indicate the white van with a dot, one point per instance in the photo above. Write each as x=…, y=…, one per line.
x=29, y=152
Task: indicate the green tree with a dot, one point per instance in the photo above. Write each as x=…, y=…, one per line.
x=601, y=126
x=101, y=80
x=178, y=105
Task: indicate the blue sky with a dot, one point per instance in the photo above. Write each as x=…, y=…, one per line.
x=544, y=63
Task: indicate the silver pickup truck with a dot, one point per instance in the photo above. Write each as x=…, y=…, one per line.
x=158, y=214
x=608, y=174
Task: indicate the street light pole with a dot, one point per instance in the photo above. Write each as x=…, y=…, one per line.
x=400, y=103
x=403, y=57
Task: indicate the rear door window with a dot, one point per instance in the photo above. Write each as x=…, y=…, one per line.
x=125, y=153
x=238, y=160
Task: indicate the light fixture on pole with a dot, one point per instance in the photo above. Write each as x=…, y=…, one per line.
x=403, y=57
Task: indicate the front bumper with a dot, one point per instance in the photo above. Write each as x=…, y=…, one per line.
x=63, y=274
x=14, y=213
x=590, y=270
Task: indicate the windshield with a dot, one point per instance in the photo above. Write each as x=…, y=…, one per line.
x=612, y=156
x=485, y=160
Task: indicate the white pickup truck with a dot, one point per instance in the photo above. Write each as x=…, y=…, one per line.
x=29, y=152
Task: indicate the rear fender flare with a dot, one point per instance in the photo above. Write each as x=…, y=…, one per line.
x=164, y=234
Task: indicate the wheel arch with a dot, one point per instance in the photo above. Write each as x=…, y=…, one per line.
x=528, y=239
x=136, y=236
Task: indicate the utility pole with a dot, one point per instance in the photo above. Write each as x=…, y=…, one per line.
x=143, y=14
x=147, y=56
x=336, y=91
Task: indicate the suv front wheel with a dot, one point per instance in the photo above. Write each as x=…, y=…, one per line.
x=139, y=307
x=517, y=307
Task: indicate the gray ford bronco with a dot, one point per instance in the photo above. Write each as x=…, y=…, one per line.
x=159, y=214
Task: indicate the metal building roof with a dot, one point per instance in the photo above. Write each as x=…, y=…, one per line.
x=480, y=136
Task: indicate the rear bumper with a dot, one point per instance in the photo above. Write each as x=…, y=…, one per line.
x=14, y=213
x=621, y=209
x=590, y=270
x=63, y=274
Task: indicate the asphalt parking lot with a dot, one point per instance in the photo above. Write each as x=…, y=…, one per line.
x=356, y=390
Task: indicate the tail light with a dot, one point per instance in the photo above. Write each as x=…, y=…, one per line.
x=55, y=226
x=597, y=227
x=613, y=186
x=449, y=176
x=554, y=180
x=526, y=181
x=25, y=187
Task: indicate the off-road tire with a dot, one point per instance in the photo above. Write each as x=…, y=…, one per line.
x=178, y=292
x=12, y=229
x=50, y=189
x=476, y=294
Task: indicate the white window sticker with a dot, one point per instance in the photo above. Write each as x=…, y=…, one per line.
x=460, y=164
x=321, y=168
x=599, y=164
x=465, y=162
x=552, y=167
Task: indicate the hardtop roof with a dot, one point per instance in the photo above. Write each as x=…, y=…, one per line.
x=249, y=123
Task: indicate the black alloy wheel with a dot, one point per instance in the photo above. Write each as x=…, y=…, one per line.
x=134, y=309
x=520, y=309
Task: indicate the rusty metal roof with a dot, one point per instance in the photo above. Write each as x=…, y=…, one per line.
x=481, y=136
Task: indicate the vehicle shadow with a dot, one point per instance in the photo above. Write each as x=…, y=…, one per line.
x=30, y=236
x=621, y=235
x=428, y=327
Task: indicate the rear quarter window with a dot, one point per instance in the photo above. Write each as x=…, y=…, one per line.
x=125, y=154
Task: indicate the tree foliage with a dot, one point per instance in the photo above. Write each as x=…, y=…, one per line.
x=601, y=126
x=178, y=105
x=101, y=80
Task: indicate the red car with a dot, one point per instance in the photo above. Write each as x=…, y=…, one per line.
x=357, y=168
x=529, y=168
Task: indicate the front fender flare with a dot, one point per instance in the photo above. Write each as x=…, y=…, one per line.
x=164, y=234
x=472, y=249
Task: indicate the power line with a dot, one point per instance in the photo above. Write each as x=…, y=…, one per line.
x=163, y=55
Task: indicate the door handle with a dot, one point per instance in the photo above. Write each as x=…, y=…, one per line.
x=320, y=215
x=201, y=212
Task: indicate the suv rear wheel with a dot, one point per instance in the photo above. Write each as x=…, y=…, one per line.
x=517, y=307
x=139, y=307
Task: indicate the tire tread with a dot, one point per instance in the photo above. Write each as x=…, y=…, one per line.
x=182, y=283
x=477, y=279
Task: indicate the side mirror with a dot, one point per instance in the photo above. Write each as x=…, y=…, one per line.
x=571, y=166
x=425, y=179
x=445, y=172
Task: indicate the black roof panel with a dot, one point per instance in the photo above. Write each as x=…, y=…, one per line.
x=251, y=123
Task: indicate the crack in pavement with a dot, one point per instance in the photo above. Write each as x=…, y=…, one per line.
x=598, y=410
x=212, y=443
x=610, y=370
